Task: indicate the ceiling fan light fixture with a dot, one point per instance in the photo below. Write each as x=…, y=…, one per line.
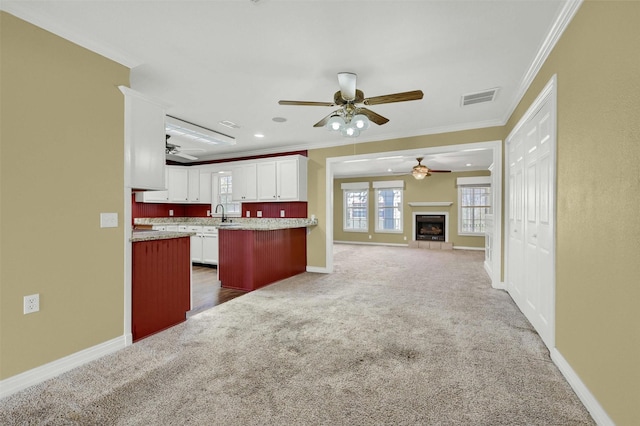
x=350, y=132
x=335, y=123
x=360, y=121
x=420, y=172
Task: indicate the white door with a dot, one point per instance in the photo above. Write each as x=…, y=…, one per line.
x=530, y=264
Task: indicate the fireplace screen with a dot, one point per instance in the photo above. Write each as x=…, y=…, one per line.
x=430, y=227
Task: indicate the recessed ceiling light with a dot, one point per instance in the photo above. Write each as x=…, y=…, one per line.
x=468, y=164
x=279, y=119
x=259, y=135
x=389, y=170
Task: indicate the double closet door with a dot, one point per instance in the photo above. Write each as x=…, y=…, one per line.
x=530, y=263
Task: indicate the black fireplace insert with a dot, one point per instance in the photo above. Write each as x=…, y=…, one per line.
x=430, y=227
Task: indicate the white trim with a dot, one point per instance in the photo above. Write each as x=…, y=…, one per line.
x=565, y=16
x=474, y=181
x=317, y=269
x=590, y=402
x=468, y=248
x=364, y=243
x=384, y=184
x=47, y=371
x=354, y=185
x=430, y=203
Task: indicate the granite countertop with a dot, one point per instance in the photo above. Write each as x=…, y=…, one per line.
x=149, y=235
x=236, y=223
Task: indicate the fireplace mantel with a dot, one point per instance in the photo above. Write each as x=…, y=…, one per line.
x=431, y=203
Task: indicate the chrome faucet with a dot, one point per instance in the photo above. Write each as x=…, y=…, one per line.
x=224, y=219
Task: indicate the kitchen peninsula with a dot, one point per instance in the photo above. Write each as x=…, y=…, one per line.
x=161, y=281
x=253, y=252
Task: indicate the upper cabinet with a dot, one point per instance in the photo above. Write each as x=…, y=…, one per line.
x=144, y=142
x=244, y=182
x=282, y=179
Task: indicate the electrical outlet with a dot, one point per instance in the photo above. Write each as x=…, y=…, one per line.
x=281, y=213
x=208, y=213
x=170, y=212
x=31, y=303
x=248, y=213
x=259, y=213
x=369, y=236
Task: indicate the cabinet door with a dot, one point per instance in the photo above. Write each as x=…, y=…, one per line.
x=178, y=184
x=266, y=181
x=144, y=137
x=287, y=179
x=210, y=248
x=193, y=185
x=244, y=183
x=205, y=187
x=154, y=196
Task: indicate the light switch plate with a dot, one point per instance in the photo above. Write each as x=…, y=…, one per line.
x=108, y=220
x=259, y=213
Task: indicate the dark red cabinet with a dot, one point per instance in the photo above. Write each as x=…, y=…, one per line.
x=251, y=259
x=160, y=287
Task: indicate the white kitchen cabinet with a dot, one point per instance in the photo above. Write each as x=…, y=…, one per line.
x=204, y=245
x=144, y=140
x=210, y=245
x=282, y=180
x=205, y=187
x=244, y=182
x=193, y=185
x=155, y=196
x=178, y=184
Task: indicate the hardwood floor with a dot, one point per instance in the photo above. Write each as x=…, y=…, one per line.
x=207, y=292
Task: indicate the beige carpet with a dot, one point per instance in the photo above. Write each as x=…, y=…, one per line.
x=394, y=336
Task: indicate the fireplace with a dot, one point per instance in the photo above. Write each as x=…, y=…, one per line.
x=430, y=227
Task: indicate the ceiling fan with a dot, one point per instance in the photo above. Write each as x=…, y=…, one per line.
x=352, y=116
x=420, y=171
x=173, y=149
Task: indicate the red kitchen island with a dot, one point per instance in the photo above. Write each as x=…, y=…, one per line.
x=252, y=257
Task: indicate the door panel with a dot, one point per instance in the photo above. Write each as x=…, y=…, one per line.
x=530, y=267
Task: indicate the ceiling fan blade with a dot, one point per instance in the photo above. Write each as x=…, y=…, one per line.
x=439, y=171
x=347, y=83
x=395, y=97
x=305, y=103
x=323, y=122
x=373, y=116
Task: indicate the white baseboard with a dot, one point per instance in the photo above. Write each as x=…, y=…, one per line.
x=44, y=372
x=364, y=243
x=590, y=402
x=317, y=269
x=468, y=248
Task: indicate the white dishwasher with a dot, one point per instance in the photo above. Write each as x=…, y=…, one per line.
x=204, y=245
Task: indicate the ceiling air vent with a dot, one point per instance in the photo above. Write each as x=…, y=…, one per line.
x=479, y=97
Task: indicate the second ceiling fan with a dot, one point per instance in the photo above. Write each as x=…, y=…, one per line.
x=352, y=116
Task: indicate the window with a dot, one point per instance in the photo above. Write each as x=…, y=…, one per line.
x=356, y=206
x=389, y=206
x=223, y=191
x=474, y=204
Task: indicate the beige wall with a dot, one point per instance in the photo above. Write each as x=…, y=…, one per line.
x=61, y=164
x=597, y=62
x=316, y=242
x=437, y=187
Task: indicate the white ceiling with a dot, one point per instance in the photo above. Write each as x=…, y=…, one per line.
x=210, y=61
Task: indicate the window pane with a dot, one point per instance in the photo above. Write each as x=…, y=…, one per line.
x=389, y=209
x=474, y=205
x=356, y=210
